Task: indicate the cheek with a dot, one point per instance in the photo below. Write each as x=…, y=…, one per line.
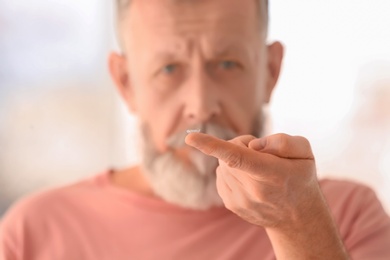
x=153, y=108
x=159, y=116
x=241, y=105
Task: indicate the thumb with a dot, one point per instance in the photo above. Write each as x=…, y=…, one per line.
x=284, y=146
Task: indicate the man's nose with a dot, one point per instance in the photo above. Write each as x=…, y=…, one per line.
x=202, y=101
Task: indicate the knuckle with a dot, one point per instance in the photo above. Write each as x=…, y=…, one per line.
x=283, y=142
x=246, y=138
x=234, y=160
x=242, y=205
x=304, y=141
x=242, y=140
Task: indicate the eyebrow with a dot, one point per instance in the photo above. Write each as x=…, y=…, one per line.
x=224, y=50
x=227, y=50
x=234, y=52
x=217, y=53
x=165, y=56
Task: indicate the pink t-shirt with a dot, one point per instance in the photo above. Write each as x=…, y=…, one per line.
x=93, y=220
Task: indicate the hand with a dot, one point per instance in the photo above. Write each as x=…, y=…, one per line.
x=271, y=182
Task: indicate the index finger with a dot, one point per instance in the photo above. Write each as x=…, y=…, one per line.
x=233, y=155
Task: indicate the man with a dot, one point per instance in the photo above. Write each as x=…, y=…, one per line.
x=197, y=74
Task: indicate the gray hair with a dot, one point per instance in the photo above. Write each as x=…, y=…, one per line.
x=263, y=7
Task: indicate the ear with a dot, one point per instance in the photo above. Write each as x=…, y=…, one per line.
x=275, y=58
x=117, y=64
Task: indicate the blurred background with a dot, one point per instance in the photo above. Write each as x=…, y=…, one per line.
x=61, y=120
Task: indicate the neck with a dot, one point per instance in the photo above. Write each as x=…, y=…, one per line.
x=134, y=180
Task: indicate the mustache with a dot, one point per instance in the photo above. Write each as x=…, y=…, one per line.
x=221, y=132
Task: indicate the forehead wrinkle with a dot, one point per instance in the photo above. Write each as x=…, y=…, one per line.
x=174, y=18
x=182, y=22
x=185, y=36
x=183, y=19
x=175, y=49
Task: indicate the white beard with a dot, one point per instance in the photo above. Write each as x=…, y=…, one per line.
x=188, y=185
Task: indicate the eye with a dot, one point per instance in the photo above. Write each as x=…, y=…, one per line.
x=227, y=65
x=169, y=69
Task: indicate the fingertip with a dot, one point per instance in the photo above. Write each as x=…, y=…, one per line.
x=191, y=138
x=258, y=144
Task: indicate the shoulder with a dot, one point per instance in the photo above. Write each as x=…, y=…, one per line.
x=36, y=209
x=348, y=198
x=342, y=191
x=37, y=219
x=360, y=216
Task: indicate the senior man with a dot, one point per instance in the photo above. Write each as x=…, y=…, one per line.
x=227, y=192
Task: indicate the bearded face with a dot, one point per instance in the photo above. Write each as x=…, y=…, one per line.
x=192, y=65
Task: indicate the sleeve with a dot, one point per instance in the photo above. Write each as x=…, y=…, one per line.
x=368, y=232
x=21, y=227
x=32, y=227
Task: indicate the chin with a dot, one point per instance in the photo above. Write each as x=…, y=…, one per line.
x=187, y=184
